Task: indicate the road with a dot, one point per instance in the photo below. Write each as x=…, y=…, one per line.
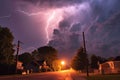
x=61, y=75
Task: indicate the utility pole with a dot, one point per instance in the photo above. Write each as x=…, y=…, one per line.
x=84, y=47
x=18, y=46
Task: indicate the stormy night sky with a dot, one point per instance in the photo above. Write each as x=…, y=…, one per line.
x=60, y=23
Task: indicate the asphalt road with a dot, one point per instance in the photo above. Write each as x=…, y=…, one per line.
x=61, y=75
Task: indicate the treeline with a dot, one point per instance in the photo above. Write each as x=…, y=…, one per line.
x=43, y=56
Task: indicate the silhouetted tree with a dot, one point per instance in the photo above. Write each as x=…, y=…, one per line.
x=117, y=58
x=80, y=60
x=26, y=58
x=110, y=59
x=6, y=51
x=94, y=62
x=6, y=46
x=101, y=59
x=35, y=55
x=47, y=53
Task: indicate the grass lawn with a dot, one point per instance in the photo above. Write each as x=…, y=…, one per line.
x=104, y=77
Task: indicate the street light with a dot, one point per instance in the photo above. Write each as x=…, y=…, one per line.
x=62, y=62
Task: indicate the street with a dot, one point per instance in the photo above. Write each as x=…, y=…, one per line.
x=60, y=75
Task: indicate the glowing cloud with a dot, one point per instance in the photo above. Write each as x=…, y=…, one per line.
x=54, y=17
x=48, y=23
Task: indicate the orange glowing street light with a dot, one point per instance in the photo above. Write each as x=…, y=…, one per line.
x=62, y=62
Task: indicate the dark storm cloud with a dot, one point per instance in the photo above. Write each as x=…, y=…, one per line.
x=64, y=24
x=54, y=3
x=104, y=38
x=56, y=32
x=57, y=41
x=75, y=28
x=66, y=39
x=75, y=41
x=105, y=8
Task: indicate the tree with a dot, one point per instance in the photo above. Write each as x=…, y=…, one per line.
x=26, y=58
x=101, y=59
x=56, y=65
x=35, y=55
x=6, y=51
x=80, y=60
x=110, y=59
x=48, y=54
x=94, y=62
x=117, y=58
x=6, y=46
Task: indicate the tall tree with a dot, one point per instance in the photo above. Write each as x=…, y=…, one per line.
x=47, y=53
x=6, y=46
x=94, y=62
x=80, y=60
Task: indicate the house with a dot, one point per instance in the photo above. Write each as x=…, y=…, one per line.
x=33, y=66
x=43, y=67
x=109, y=67
x=19, y=65
x=37, y=66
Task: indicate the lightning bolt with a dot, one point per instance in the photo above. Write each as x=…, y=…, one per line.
x=30, y=14
x=48, y=23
